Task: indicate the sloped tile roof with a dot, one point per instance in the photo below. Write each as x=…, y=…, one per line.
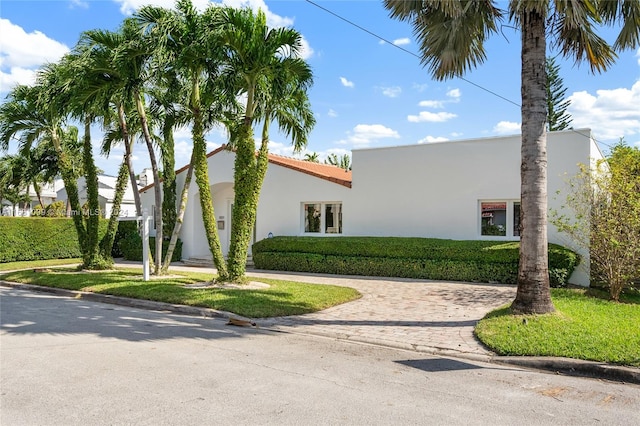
x=323, y=171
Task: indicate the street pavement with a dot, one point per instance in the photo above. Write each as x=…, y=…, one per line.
x=434, y=317
x=72, y=361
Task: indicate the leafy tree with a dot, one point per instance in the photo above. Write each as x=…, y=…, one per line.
x=605, y=203
x=344, y=161
x=451, y=35
x=186, y=46
x=557, y=103
x=264, y=65
x=131, y=53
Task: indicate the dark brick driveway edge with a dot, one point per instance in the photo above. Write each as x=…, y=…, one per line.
x=568, y=366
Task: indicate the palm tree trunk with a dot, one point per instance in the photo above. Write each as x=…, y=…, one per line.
x=156, y=188
x=202, y=180
x=91, y=256
x=36, y=189
x=168, y=178
x=239, y=247
x=533, y=295
x=106, y=243
x=128, y=154
x=180, y=217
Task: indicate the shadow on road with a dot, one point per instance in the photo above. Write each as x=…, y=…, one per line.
x=34, y=313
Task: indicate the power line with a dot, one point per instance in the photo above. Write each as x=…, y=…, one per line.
x=418, y=57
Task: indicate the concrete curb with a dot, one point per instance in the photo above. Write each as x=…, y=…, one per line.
x=567, y=366
x=574, y=367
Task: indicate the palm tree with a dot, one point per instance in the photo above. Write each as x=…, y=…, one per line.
x=185, y=44
x=451, y=35
x=344, y=161
x=312, y=157
x=132, y=52
x=264, y=65
x=105, y=81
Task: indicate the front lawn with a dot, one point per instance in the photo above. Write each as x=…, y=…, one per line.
x=10, y=266
x=281, y=298
x=585, y=326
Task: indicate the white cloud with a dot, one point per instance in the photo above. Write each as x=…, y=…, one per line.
x=392, y=92
x=431, y=104
x=127, y=7
x=26, y=50
x=401, y=41
x=279, y=148
x=454, y=94
x=22, y=53
x=332, y=113
x=15, y=76
x=419, y=87
x=611, y=114
x=431, y=117
x=431, y=139
x=365, y=134
x=306, y=51
x=507, y=128
x=79, y=3
x=346, y=83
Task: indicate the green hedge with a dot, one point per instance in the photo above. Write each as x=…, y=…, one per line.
x=426, y=258
x=131, y=248
x=39, y=238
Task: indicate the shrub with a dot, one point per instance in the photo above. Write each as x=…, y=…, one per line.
x=39, y=238
x=125, y=229
x=131, y=247
x=56, y=209
x=426, y=258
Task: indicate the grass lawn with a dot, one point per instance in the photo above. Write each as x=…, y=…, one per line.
x=585, y=326
x=10, y=266
x=281, y=298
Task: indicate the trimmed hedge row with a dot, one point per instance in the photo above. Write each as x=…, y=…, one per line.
x=39, y=238
x=425, y=258
x=128, y=243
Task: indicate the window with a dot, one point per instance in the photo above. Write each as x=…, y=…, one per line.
x=500, y=218
x=322, y=218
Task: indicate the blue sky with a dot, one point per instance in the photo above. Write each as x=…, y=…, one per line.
x=367, y=92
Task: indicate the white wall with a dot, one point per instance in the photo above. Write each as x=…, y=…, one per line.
x=429, y=190
x=433, y=190
x=283, y=194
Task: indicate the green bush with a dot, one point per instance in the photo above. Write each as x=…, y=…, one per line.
x=39, y=238
x=125, y=229
x=131, y=247
x=426, y=258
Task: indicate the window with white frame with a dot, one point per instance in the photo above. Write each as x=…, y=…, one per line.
x=500, y=218
x=322, y=218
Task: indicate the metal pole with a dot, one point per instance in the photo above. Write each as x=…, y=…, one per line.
x=145, y=244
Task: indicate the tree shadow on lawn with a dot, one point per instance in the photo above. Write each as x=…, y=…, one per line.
x=27, y=313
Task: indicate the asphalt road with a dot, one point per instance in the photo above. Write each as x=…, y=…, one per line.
x=72, y=362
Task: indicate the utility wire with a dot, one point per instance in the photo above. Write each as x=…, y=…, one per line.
x=418, y=56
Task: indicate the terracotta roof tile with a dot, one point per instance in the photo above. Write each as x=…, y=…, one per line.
x=323, y=171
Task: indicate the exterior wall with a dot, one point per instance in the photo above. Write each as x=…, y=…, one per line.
x=284, y=192
x=434, y=190
x=431, y=190
x=279, y=208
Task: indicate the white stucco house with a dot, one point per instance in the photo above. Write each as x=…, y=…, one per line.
x=106, y=194
x=48, y=193
x=466, y=189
